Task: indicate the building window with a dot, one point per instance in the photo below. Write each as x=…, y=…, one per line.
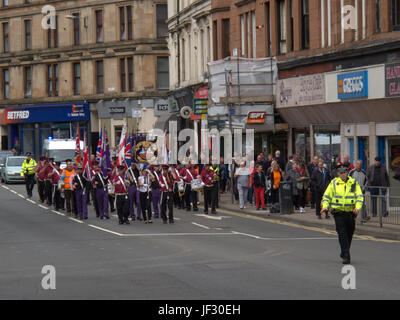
x=130, y=75
x=183, y=59
x=77, y=27
x=291, y=26
x=125, y=23
x=6, y=46
x=5, y=3
x=99, y=77
x=126, y=74
x=52, y=36
x=225, y=38
x=162, y=16
x=77, y=78
x=99, y=26
x=162, y=73
x=28, y=81
x=396, y=14
x=28, y=37
x=268, y=28
x=6, y=84
x=248, y=34
x=215, y=39
x=305, y=25
x=281, y=26
x=52, y=80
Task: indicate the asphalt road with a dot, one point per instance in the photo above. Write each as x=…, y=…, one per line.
x=199, y=257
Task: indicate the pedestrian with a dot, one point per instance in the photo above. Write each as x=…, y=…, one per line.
x=378, y=182
x=293, y=176
x=346, y=199
x=360, y=175
x=243, y=177
x=55, y=177
x=275, y=178
x=66, y=189
x=292, y=159
x=320, y=179
x=259, y=184
x=279, y=160
x=101, y=191
x=167, y=196
x=250, y=193
x=346, y=162
x=42, y=172
x=145, y=195
x=121, y=195
x=80, y=191
x=207, y=176
x=132, y=175
x=28, y=172
x=302, y=185
x=311, y=167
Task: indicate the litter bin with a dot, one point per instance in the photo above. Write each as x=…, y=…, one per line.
x=285, y=197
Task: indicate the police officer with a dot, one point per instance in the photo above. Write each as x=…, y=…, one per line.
x=346, y=199
x=28, y=171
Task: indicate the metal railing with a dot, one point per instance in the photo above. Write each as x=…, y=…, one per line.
x=382, y=206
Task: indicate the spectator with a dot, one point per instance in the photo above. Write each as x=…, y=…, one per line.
x=259, y=186
x=243, y=175
x=275, y=177
x=378, y=181
x=311, y=167
x=279, y=160
x=293, y=176
x=346, y=162
x=250, y=195
x=302, y=185
x=224, y=175
x=360, y=176
x=320, y=179
x=292, y=159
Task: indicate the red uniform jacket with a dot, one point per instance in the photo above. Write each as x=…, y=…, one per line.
x=188, y=177
x=120, y=187
x=207, y=176
x=166, y=183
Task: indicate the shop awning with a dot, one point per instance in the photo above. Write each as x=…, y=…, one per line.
x=379, y=110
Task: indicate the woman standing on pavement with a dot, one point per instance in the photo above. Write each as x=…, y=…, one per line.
x=243, y=175
x=302, y=186
x=259, y=186
x=275, y=177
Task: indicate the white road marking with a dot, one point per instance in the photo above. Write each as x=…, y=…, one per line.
x=200, y=225
x=21, y=196
x=246, y=234
x=5, y=187
x=106, y=230
x=76, y=220
x=13, y=191
x=177, y=234
x=213, y=217
x=31, y=201
x=59, y=213
x=43, y=207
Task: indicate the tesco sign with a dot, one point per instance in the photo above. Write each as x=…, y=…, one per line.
x=352, y=85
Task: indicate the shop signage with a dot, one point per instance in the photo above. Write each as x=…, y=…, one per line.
x=301, y=91
x=117, y=110
x=392, y=80
x=136, y=113
x=66, y=112
x=256, y=117
x=352, y=85
x=200, y=106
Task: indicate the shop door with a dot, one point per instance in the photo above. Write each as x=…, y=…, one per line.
x=28, y=140
x=327, y=147
x=394, y=165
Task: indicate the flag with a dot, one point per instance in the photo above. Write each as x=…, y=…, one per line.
x=86, y=167
x=128, y=152
x=164, y=152
x=78, y=156
x=99, y=149
x=105, y=162
x=121, y=146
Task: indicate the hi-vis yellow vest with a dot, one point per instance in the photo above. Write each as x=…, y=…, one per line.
x=343, y=196
x=28, y=167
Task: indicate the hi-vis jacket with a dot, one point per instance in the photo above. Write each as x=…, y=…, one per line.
x=343, y=196
x=28, y=167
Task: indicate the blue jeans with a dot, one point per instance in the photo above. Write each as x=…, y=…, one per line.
x=375, y=193
x=250, y=195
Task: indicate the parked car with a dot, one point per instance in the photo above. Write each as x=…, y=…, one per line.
x=3, y=156
x=11, y=172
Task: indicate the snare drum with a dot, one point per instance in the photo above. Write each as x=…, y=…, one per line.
x=181, y=186
x=197, y=185
x=111, y=189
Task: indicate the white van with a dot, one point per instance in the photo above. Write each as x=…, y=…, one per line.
x=60, y=149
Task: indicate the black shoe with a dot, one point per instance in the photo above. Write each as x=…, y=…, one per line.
x=165, y=221
x=327, y=216
x=85, y=218
x=171, y=221
x=258, y=209
x=107, y=217
x=80, y=218
x=313, y=206
x=127, y=221
x=346, y=261
x=101, y=218
x=196, y=209
x=121, y=222
x=214, y=212
x=139, y=219
x=205, y=211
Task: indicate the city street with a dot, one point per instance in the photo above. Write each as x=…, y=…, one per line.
x=199, y=257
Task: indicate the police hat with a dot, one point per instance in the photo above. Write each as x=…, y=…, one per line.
x=28, y=154
x=343, y=169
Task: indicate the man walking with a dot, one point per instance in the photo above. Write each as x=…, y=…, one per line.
x=320, y=179
x=346, y=199
x=28, y=172
x=378, y=181
x=311, y=167
x=360, y=176
x=80, y=183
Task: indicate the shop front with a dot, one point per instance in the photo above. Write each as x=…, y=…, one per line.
x=28, y=126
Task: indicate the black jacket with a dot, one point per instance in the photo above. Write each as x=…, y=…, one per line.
x=79, y=186
x=317, y=180
x=96, y=178
x=259, y=180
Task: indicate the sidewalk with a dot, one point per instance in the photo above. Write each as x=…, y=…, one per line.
x=309, y=219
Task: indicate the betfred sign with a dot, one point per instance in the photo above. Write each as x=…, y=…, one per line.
x=256, y=117
x=17, y=115
x=392, y=80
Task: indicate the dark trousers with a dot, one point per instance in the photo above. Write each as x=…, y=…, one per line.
x=111, y=200
x=209, y=198
x=41, y=190
x=223, y=185
x=29, y=183
x=95, y=202
x=318, y=199
x=274, y=196
x=122, y=203
x=178, y=200
x=145, y=203
x=167, y=200
x=189, y=194
x=216, y=193
x=56, y=197
x=48, y=192
x=313, y=193
x=102, y=201
x=345, y=226
x=70, y=201
x=81, y=204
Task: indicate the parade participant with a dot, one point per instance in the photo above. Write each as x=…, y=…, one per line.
x=101, y=191
x=55, y=177
x=28, y=172
x=215, y=191
x=166, y=183
x=178, y=196
x=346, y=199
x=48, y=186
x=188, y=174
x=132, y=175
x=207, y=176
x=66, y=188
x=121, y=195
x=80, y=183
x=155, y=190
x=41, y=172
x=111, y=196
x=145, y=195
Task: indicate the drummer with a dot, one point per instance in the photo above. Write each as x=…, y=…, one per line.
x=207, y=176
x=188, y=174
x=179, y=186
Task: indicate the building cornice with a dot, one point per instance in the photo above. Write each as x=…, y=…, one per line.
x=243, y=3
